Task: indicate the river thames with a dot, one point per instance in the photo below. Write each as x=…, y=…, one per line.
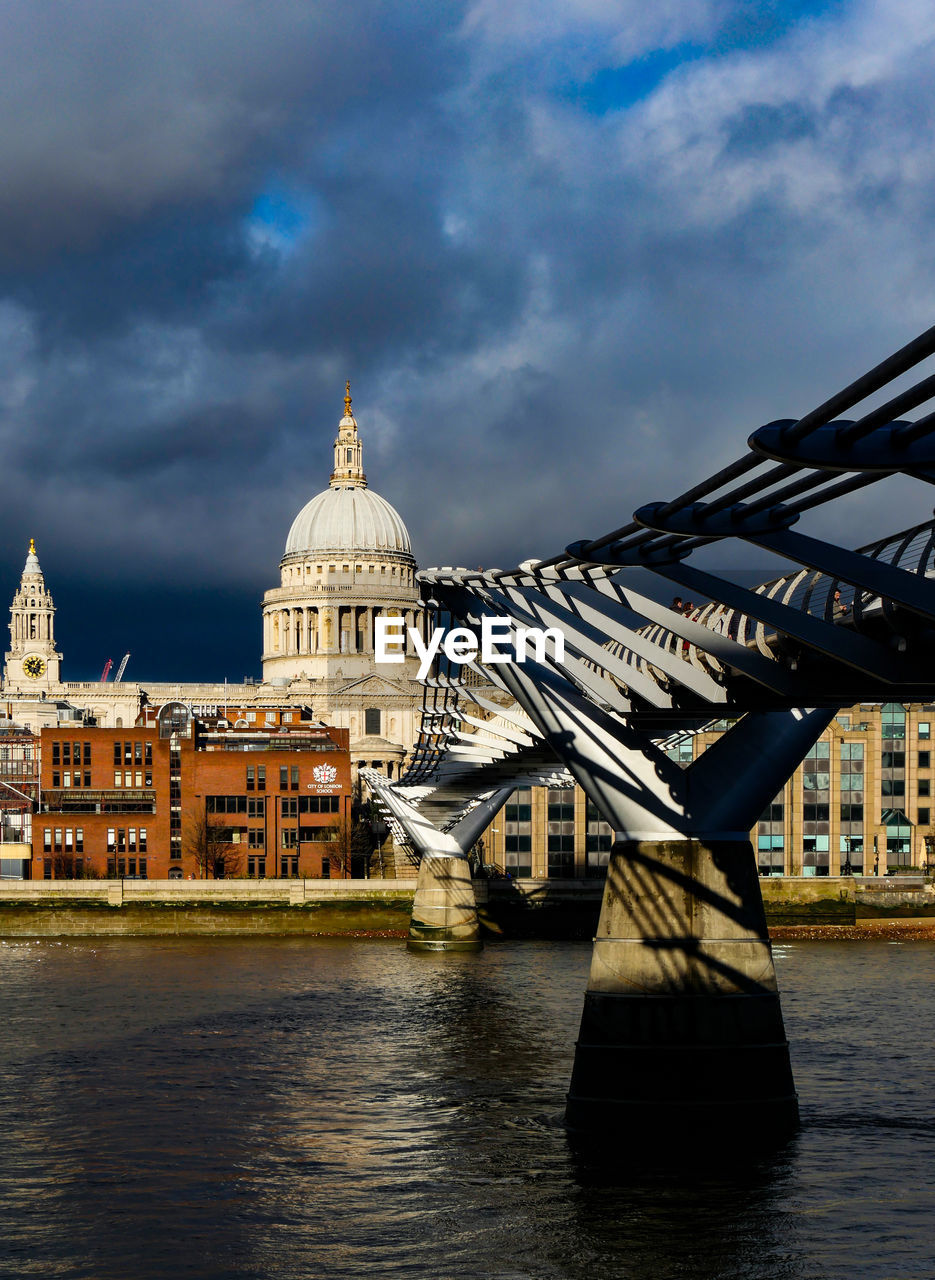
x=266, y=1108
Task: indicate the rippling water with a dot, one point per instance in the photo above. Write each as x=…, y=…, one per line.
x=267, y=1108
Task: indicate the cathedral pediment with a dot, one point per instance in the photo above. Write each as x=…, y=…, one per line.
x=374, y=686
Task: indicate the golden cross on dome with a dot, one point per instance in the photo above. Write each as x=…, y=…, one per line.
x=347, y=399
x=32, y=546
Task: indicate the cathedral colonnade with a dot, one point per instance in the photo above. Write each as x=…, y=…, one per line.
x=313, y=629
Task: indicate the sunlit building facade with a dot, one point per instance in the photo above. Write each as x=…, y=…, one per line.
x=861, y=802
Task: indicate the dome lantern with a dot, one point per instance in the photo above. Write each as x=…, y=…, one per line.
x=348, y=451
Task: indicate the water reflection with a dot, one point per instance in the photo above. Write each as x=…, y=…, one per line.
x=295, y=1108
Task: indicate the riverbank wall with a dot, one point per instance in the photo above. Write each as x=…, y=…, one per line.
x=332, y=908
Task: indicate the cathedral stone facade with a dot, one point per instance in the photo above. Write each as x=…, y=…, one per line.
x=347, y=561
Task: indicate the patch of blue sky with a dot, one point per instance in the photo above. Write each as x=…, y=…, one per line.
x=751, y=24
x=280, y=218
x=616, y=88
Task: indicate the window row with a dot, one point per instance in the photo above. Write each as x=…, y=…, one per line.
x=71, y=753
x=63, y=840
x=291, y=808
x=126, y=868
x=133, y=753
x=252, y=806
x=126, y=840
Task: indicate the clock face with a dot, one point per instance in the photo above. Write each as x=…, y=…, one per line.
x=34, y=666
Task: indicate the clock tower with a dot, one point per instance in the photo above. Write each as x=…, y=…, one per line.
x=32, y=663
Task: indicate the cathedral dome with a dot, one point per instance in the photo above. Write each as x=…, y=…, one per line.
x=347, y=516
x=347, y=519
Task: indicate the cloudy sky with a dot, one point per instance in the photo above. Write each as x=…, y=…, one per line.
x=569, y=253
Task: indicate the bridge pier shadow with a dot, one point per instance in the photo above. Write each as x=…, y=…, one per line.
x=682, y=1039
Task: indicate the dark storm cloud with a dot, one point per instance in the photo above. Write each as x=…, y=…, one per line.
x=569, y=254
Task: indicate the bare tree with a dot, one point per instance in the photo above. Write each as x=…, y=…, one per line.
x=338, y=839
x=217, y=856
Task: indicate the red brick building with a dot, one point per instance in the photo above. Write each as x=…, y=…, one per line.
x=176, y=798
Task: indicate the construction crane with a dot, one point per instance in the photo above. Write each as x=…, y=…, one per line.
x=106, y=672
x=121, y=669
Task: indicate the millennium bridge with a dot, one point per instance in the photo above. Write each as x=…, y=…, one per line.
x=682, y=1034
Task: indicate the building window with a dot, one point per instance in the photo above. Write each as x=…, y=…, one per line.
x=561, y=831
x=225, y=804
x=372, y=722
x=925, y=729
x=319, y=804
x=79, y=840
x=893, y=716
x=517, y=839
x=923, y=817
x=256, y=808
x=289, y=807
x=56, y=753
x=598, y=842
x=294, y=777
x=256, y=838
x=251, y=777
x=898, y=838
x=283, y=777
x=925, y=758
x=925, y=786
x=290, y=838
x=261, y=777
x=256, y=867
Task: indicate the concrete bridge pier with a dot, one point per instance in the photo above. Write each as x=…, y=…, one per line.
x=444, y=909
x=682, y=1036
